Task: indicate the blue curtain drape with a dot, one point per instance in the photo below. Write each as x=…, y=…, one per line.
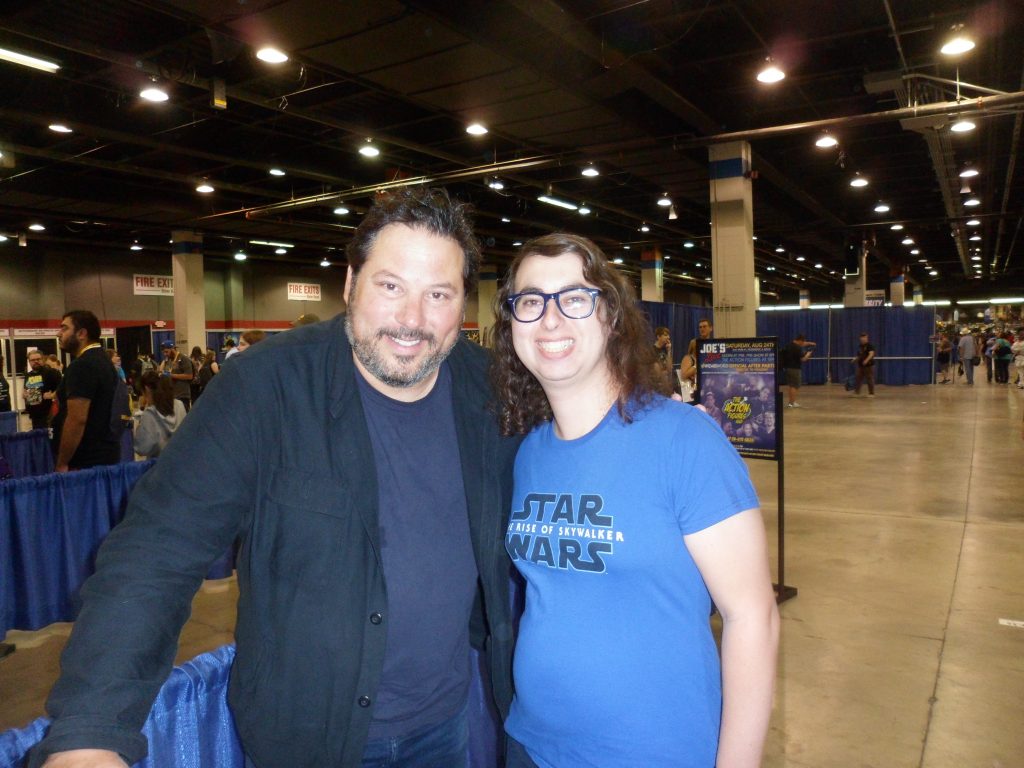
x=50, y=529
x=191, y=726
x=8, y=422
x=681, y=321
x=813, y=325
x=27, y=453
x=896, y=332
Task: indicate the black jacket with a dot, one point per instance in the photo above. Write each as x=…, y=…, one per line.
x=277, y=450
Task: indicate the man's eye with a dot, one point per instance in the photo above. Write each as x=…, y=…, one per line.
x=439, y=296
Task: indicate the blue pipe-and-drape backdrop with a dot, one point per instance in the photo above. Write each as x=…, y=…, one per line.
x=896, y=332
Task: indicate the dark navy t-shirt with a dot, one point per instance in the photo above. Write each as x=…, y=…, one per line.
x=429, y=567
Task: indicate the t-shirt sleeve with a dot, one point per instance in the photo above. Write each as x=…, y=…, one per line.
x=81, y=381
x=711, y=482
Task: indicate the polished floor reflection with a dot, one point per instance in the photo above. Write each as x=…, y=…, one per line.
x=904, y=521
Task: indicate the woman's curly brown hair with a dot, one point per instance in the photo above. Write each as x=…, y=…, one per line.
x=522, y=403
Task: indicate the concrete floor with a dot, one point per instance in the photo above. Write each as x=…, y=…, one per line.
x=904, y=522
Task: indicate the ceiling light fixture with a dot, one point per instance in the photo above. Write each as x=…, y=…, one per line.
x=3, y=238
x=555, y=201
x=517, y=243
x=915, y=251
x=672, y=215
x=881, y=208
x=240, y=256
x=975, y=258
x=826, y=140
x=896, y=227
x=271, y=242
x=958, y=43
x=506, y=220
x=59, y=128
x=271, y=55
x=276, y=172
x=771, y=73
x=280, y=251
x=687, y=244
x=584, y=210
x=37, y=227
x=368, y=150
x=968, y=172
x=590, y=171
x=933, y=273
x=780, y=249
x=341, y=211
x=800, y=258
x=818, y=266
x=154, y=93
x=972, y=222
x=974, y=238
x=496, y=184
x=617, y=260
x=665, y=201
x=858, y=181
x=325, y=263
x=972, y=202
x=476, y=129
x=204, y=188
x=135, y=246
x=644, y=227
x=28, y=61
x=907, y=241
x=962, y=125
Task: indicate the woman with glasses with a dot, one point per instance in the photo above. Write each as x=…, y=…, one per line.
x=630, y=513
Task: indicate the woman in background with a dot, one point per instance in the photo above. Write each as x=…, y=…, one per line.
x=622, y=558
x=249, y=338
x=160, y=414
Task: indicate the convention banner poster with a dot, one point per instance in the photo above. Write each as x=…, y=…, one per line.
x=737, y=389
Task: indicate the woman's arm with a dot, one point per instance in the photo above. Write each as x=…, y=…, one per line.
x=733, y=559
x=688, y=367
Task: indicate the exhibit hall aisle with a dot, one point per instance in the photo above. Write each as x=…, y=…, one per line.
x=904, y=534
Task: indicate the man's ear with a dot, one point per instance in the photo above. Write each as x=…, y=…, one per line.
x=349, y=279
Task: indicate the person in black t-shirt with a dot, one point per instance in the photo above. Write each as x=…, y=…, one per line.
x=82, y=436
x=41, y=382
x=792, y=358
x=865, y=361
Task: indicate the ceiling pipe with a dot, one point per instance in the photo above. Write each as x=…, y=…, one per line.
x=1011, y=165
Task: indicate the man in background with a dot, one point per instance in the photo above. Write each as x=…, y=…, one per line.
x=41, y=382
x=865, y=361
x=967, y=351
x=179, y=368
x=82, y=436
x=793, y=357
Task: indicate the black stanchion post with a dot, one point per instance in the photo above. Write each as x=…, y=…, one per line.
x=782, y=592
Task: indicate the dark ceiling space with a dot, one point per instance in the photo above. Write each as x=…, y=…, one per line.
x=638, y=88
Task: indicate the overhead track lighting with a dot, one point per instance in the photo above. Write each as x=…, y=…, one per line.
x=271, y=243
x=28, y=61
x=771, y=73
x=476, y=129
x=271, y=55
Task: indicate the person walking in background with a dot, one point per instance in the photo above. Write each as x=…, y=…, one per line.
x=1017, y=348
x=230, y=348
x=865, y=361
x=179, y=368
x=160, y=414
x=990, y=343
x=968, y=351
x=82, y=434
x=663, y=353
x=573, y=373
x=115, y=360
x=793, y=357
x=41, y=382
x=688, y=373
x=196, y=358
x=207, y=370
x=942, y=357
x=1002, y=353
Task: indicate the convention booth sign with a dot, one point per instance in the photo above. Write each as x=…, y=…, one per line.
x=738, y=381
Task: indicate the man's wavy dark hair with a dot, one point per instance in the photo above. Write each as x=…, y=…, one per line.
x=631, y=358
x=429, y=208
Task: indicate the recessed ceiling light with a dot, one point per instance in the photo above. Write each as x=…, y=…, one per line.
x=154, y=94
x=881, y=208
x=240, y=256
x=826, y=140
x=325, y=263
x=271, y=55
x=962, y=126
x=972, y=222
x=590, y=171
x=972, y=202
x=858, y=181
x=276, y=172
x=37, y=227
x=896, y=227
x=204, y=188
x=340, y=211
x=476, y=129
x=28, y=61
x=665, y=201
x=584, y=210
x=697, y=264
x=59, y=128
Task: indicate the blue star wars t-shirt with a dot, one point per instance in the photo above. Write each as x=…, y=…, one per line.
x=615, y=665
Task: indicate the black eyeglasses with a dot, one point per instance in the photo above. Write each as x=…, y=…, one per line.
x=574, y=303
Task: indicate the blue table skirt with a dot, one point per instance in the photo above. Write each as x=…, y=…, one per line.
x=191, y=726
x=27, y=453
x=8, y=422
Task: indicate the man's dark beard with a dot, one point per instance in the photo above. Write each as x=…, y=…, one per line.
x=366, y=352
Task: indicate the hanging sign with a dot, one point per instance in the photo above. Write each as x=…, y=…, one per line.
x=153, y=285
x=303, y=291
x=737, y=389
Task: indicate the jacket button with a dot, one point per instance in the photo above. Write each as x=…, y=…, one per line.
x=364, y=701
x=376, y=618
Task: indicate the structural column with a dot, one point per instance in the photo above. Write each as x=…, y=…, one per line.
x=189, y=303
x=486, y=290
x=856, y=283
x=652, y=280
x=734, y=287
x=897, y=290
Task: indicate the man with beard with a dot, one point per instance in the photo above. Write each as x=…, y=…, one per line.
x=41, y=382
x=81, y=429
x=369, y=456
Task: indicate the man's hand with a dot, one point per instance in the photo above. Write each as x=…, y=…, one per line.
x=85, y=758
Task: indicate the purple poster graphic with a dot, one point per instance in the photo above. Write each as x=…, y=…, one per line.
x=737, y=389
